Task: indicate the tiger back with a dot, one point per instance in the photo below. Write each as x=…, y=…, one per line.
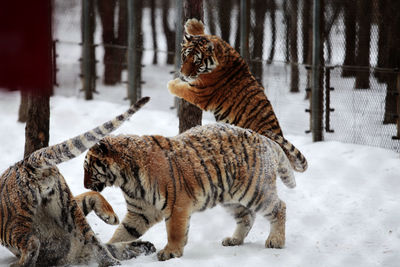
x=216, y=78
x=171, y=178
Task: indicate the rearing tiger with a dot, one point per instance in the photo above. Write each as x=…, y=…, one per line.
x=216, y=78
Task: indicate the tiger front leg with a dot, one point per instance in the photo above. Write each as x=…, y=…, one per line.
x=135, y=224
x=89, y=201
x=183, y=90
x=177, y=231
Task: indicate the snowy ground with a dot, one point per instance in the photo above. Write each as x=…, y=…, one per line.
x=344, y=211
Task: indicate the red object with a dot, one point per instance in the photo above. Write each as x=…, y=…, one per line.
x=26, y=45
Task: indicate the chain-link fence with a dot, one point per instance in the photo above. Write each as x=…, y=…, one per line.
x=359, y=78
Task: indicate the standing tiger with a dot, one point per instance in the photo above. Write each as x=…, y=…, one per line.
x=216, y=78
x=43, y=224
x=173, y=177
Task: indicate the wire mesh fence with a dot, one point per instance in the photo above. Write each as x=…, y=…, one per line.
x=360, y=91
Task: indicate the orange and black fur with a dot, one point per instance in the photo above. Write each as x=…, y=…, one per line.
x=43, y=224
x=216, y=78
x=173, y=177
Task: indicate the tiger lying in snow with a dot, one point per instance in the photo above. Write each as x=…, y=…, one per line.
x=173, y=177
x=43, y=224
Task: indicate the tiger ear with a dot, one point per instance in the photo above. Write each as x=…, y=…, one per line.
x=187, y=37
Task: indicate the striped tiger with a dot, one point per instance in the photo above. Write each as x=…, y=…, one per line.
x=216, y=78
x=43, y=224
x=173, y=177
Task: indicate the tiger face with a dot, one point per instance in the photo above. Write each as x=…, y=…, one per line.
x=99, y=168
x=198, y=57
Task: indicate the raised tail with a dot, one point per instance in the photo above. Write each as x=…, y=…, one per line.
x=296, y=158
x=194, y=27
x=285, y=171
x=71, y=148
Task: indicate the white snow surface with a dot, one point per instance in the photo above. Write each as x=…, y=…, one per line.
x=345, y=210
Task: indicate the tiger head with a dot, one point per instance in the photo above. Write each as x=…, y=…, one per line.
x=100, y=170
x=198, y=57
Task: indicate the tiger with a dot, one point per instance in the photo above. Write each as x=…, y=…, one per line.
x=171, y=178
x=43, y=224
x=214, y=77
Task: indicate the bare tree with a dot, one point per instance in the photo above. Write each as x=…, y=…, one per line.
x=224, y=18
x=383, y=48
x=37, y=124
x=256, y=64
x=392, y=79
x=190, y=115
x=294, y=60
x=349, y=8
x=306, y=30
x=363, y=45
x=23, y=107
x=114, y=37
x=153, y=30
x=169, y=33
x=271, y=6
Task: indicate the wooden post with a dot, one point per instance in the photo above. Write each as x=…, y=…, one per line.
x=190, y=115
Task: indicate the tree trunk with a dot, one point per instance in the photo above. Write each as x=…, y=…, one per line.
x=169, y=34
x=237, y=35
x=258, y=40
x=271, y=6
x=350, y=37
x=383, y=48
x=23, y=107
x=224, y=17
x=286, y=19
x=306, y=30
x=37, y=124
x=363, y=44
x=211, y=18
x=392, y=81
x=294, y=67
x=153, y=30
x=190, y=115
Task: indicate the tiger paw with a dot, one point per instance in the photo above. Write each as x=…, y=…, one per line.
x=142, y=247
x=109, y=218
x=231, y=241
x=275, y=241
x=166, y=254
x=172, y=86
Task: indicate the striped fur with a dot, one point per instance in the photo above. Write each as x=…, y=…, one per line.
x=42, y=223
x=171, y=178
x=216, y=78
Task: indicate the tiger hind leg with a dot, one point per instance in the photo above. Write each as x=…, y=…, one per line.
x=29, y=252
x=89, y=201
x=244, y=221
x=277, y=218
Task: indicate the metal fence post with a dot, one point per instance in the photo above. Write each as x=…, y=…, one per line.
x=134, y=92
x=88, y=49
x=316, y=107
x=244, y=28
